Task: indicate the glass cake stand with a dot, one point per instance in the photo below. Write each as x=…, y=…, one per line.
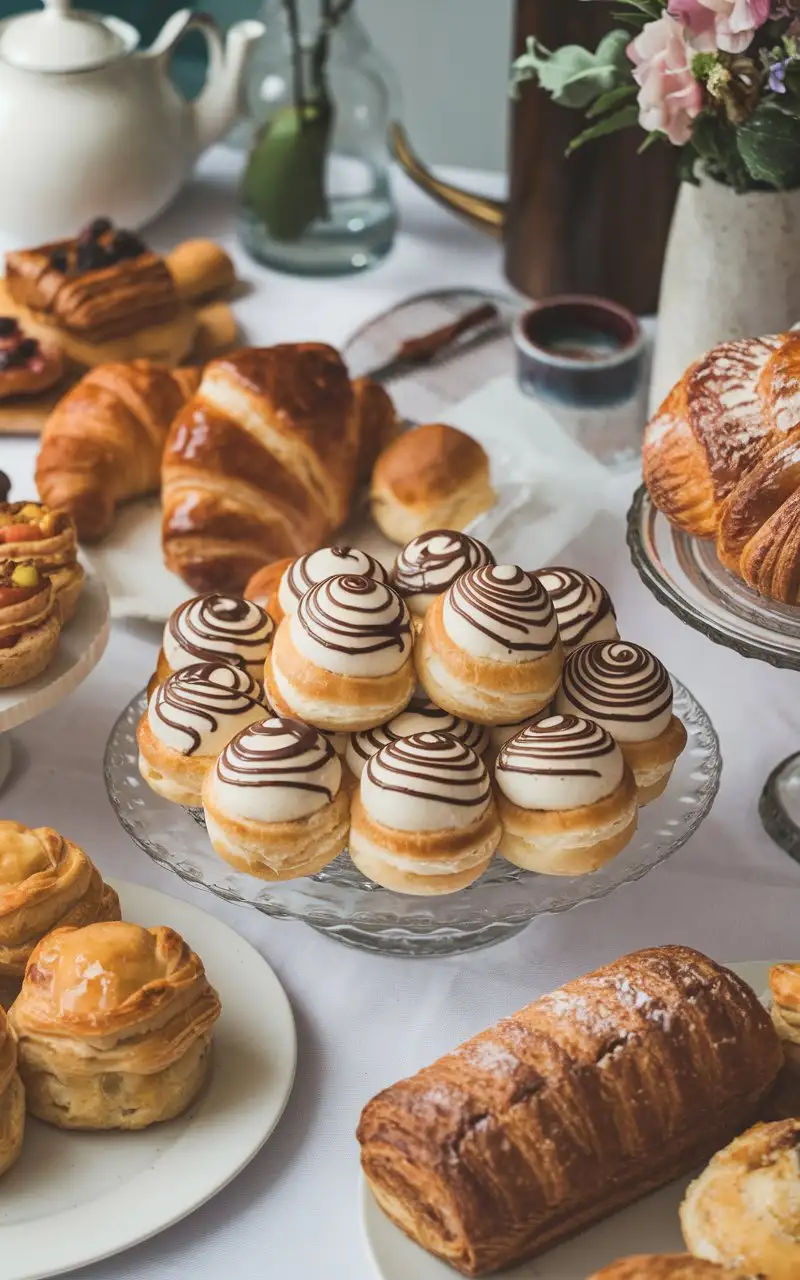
x=684, y=574
x=343, y=904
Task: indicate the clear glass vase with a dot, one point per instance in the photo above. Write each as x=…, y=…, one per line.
x=315, y=197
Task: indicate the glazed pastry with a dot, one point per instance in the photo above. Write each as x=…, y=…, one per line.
x=665, y=1266
x=30, y=624
x=424, y=819
x=571, y=1109
x=429, y=564
x=216, y=628
x=626, y=690
x=420, y=716
x=489, y=648
x=330, y=562
x=431, y=477
x=189, y=719
x=342, y=660
x=378, y=424
x=583, y=607
x=744, y=1209
x=274, y=804
x=45, y=882
x=27, y=367
x=784, y=985
x=567, y=799
x=29, y=530
x=12, y=1098
x=115, y=1024
x=103, y=442
x=199, y=269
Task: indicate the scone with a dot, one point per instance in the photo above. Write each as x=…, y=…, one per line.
x=30, y=622
x=343, y=659
x=567, y=799
x=189, y=719
x=274, y=803
x=330, y=562
x=583, y=607
x=430, y=563
x=420, y=716
x=665, y=1266
x=489, y=648
x=424, y=819
x=114, y=1024
x=31, y=531
x=743, y=1212
x=12, y=1098
x=216, y=628
x=45, y=882
x=625, y=689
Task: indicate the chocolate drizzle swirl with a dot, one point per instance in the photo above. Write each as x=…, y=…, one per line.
x=211, y=626
x=420, y=716
x=580, y=602
x=617, y=681
x=431, y=766
x=194, y=700
x=277, y=753
x=355, y=615
x=431, y=562
x=507, y=605
x=301, y=576
x=563, y=745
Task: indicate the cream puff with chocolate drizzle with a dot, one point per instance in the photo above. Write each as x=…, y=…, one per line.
x=626, y=690
x=567, y=799
x=189, y=719
x=424, y=818
x=343, y=660
x=431, y=562
x=489, y=649
x=420, y=716
x=583, y=607
x=274, y=803
x=216, y=628
x=30, y=623
x=329, y=562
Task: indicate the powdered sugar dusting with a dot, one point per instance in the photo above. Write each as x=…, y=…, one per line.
x=661, y=426
x=488, y=1055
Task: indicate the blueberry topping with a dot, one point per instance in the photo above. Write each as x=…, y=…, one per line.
x=94, y=230
x=59, y=261
x=27, y=349
x=5, y=487
x=9, y=328
x=7, y=359
x=126, y=245
x=92, y=257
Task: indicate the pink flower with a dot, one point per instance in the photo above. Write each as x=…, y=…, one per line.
x=669, y=96
x=729, y=25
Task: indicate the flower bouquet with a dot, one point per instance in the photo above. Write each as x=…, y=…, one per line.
x=717, y=79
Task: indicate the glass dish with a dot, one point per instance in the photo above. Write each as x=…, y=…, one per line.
x=346, y=906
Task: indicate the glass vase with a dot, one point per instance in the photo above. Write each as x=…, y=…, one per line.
x=315, y=197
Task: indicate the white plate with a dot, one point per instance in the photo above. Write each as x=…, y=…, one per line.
x=75, y=1198
x=651, y=1226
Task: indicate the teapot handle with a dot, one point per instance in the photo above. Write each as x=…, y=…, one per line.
x=171, y=34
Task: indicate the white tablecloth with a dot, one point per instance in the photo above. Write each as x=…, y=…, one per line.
x=364, y=1021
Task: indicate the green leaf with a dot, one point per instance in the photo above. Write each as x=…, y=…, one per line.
x=284, y=182
x=769, y=145
x=655, y=135
x=574, y=76
x=610, y=124
x=607, y=101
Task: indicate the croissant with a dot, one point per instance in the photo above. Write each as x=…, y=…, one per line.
x=261, y=464
x=103, y=442
x=571, y=1109
x=721, y=459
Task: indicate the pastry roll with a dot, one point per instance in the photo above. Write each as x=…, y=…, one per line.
x=214, y=628
x=431, y=562
x=420, y=716
x=30, y=622
x=665, y=1266
x=45, y=882
x=583, y=607
x=343, y=660
x=571, y=1109
x=330, y=562
x=114, y=1025
x=744, y=1209
x=626, y=690
x=274, y=802
x=189, y=719
x=30, y=530
x=489, y=648
x=12, y=1098
x=424, y=819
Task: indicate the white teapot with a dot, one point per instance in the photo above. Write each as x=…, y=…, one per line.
x=90, y=126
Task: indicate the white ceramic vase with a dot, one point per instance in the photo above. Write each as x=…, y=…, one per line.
x=732, y=270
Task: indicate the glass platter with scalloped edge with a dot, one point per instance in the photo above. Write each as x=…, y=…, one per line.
x=343, y=904
x=685, y=575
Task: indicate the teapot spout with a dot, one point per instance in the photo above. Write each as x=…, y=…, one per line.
x=220, y=103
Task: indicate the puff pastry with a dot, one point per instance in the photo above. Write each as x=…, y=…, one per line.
x=45, y=881
x=12, y=1098
x=114, y=1024
x=665, y=1266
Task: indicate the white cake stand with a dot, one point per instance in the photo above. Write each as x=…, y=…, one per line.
x=80, y=648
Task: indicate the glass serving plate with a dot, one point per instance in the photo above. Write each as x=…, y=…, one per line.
x=346, y=906
x=684, y=574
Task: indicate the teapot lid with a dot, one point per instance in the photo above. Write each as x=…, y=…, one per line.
x=60, y=38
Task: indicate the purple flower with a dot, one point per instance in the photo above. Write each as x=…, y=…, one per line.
x=777, y=76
